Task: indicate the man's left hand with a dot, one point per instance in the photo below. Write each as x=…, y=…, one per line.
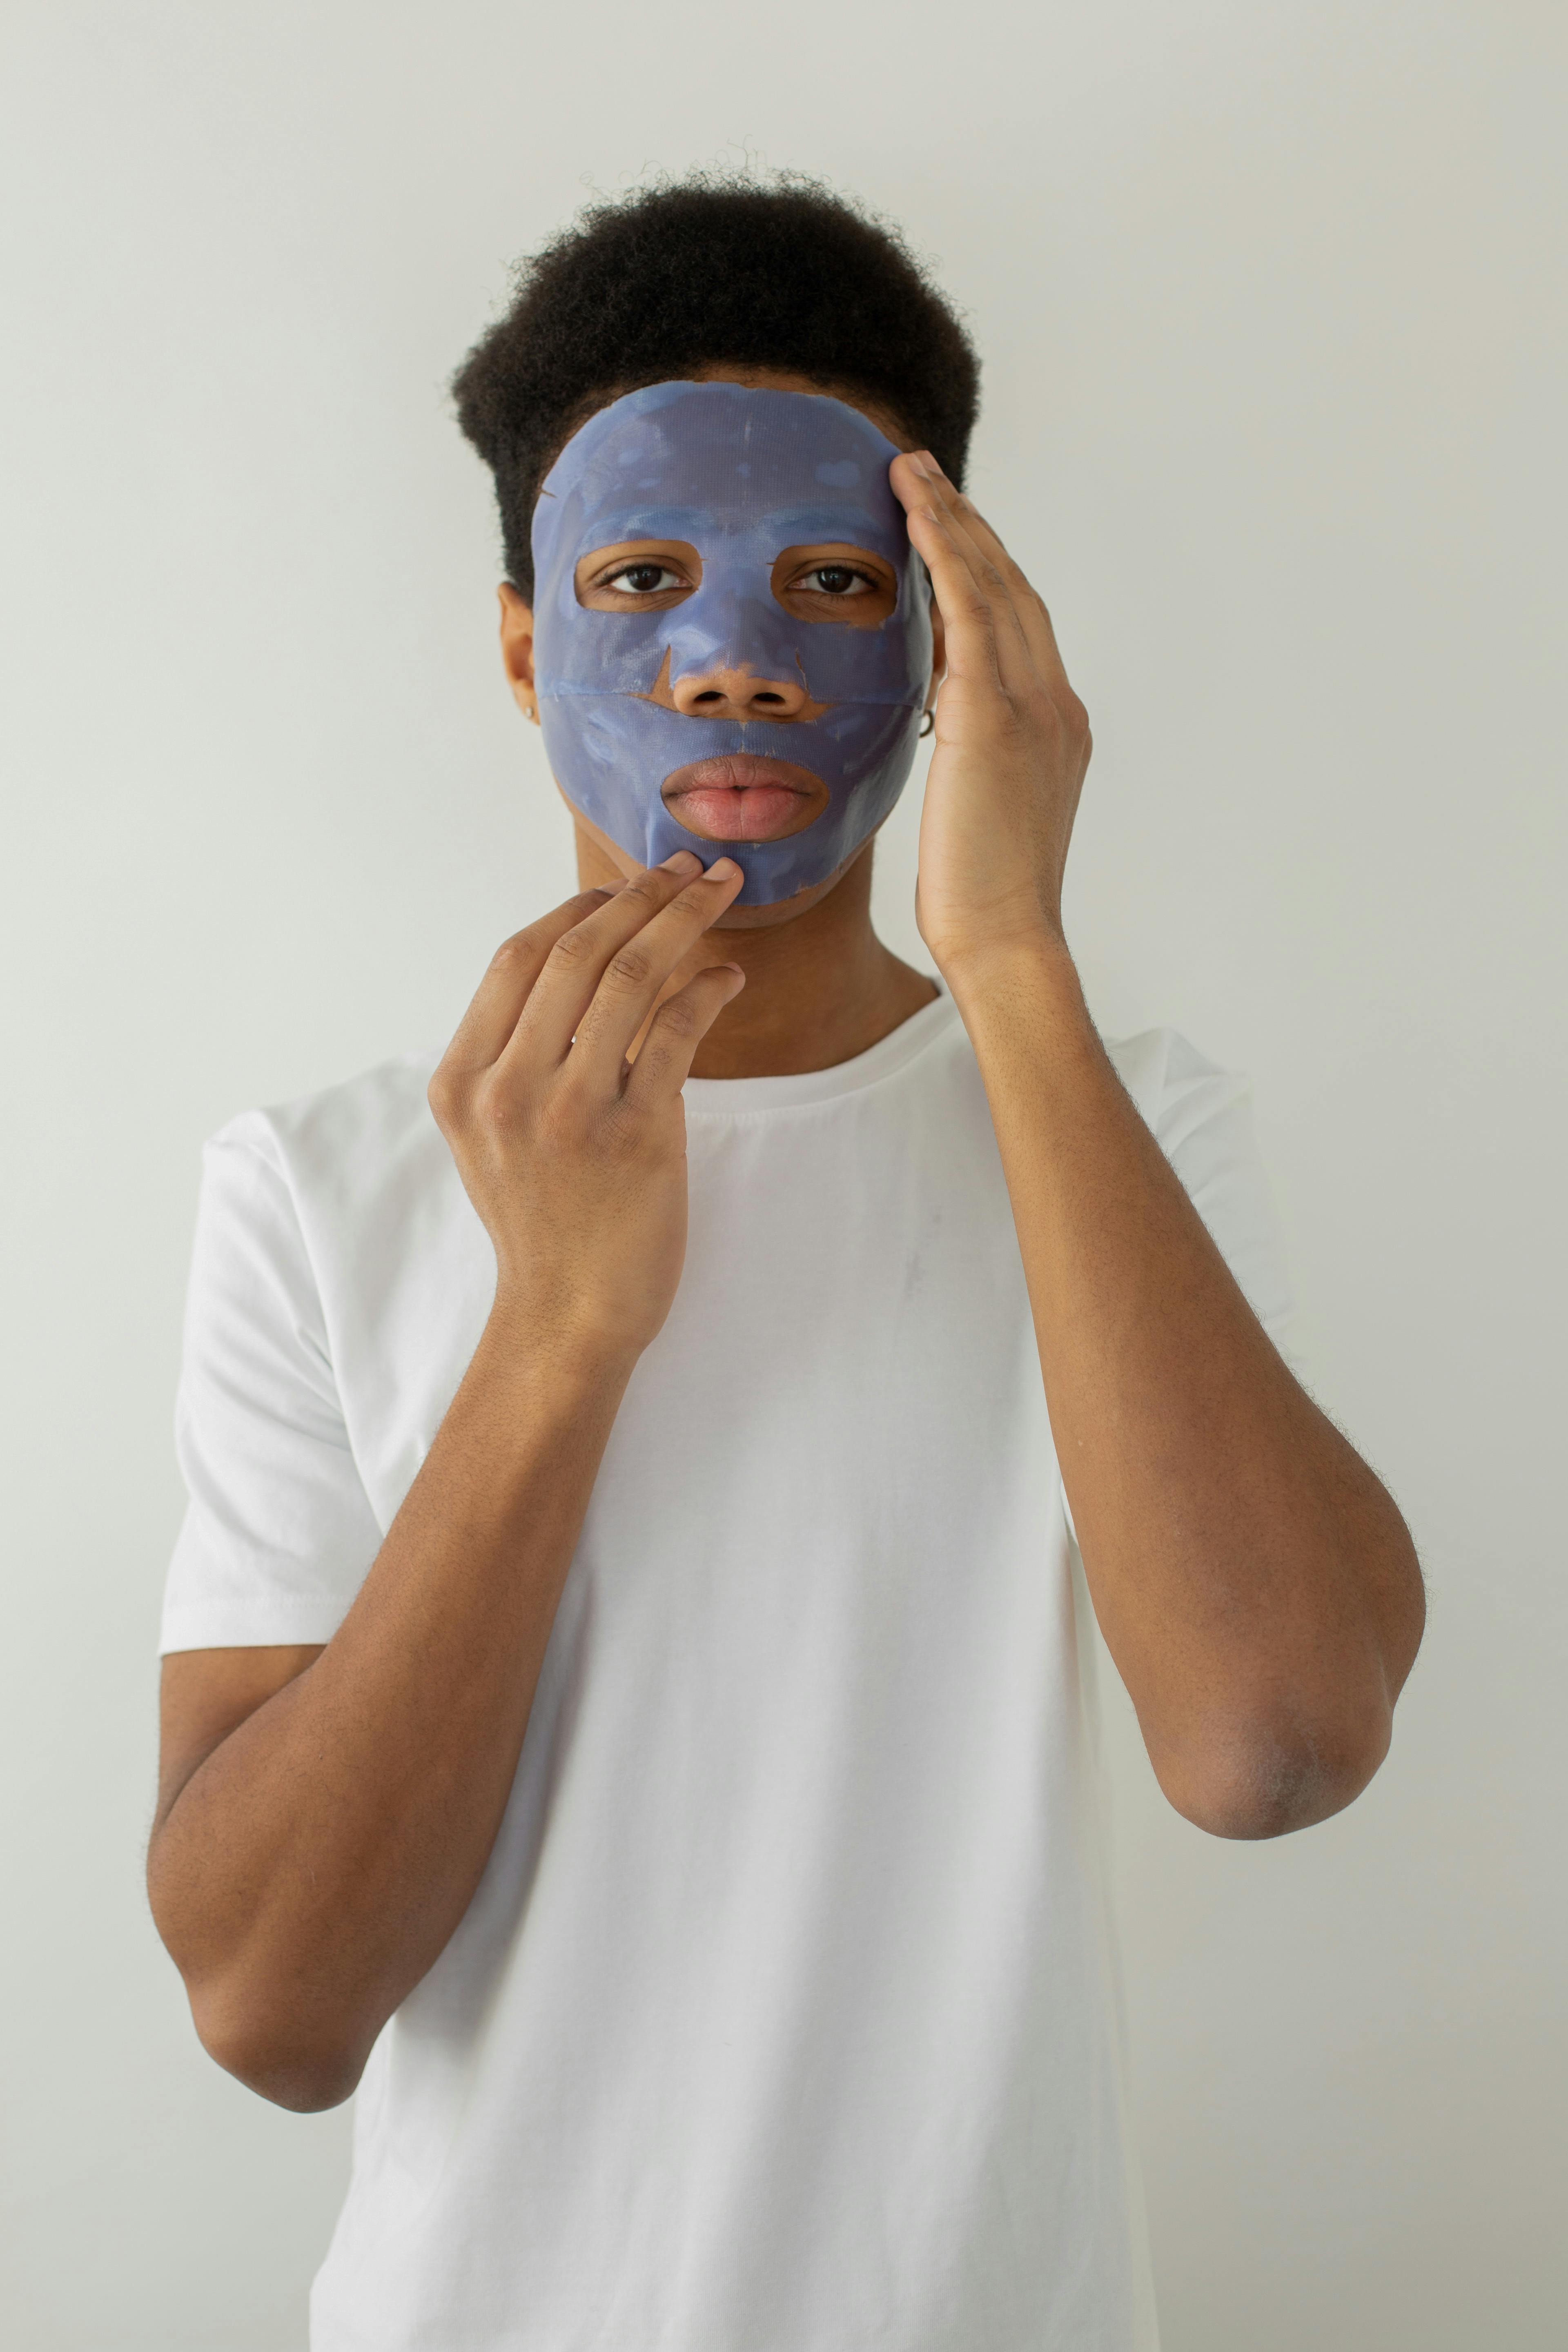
x=1012, y=738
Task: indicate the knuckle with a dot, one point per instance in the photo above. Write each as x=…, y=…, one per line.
x=496, y=1112
x=630, y=967
x=570, y=949
x=623, y=1127
x=560, y=1117
x=677, y=1018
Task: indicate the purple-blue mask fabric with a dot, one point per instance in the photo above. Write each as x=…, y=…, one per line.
x=740, y=474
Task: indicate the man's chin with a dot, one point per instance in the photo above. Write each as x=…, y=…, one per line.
x=600, y=859
x=799, y=902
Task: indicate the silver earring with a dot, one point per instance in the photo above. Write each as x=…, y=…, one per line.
x=928, y=722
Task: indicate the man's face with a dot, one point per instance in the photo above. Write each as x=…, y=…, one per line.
x=733, y=637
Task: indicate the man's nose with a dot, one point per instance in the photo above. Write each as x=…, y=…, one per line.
x=720, y=692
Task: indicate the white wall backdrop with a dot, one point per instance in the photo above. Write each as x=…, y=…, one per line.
x=1271, y=302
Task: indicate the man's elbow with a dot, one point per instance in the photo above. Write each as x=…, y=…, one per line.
x=1265, y=1778
x=273, y=2056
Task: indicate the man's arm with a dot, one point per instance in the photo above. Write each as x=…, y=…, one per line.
x=1254, y=1581
x=325, y=1816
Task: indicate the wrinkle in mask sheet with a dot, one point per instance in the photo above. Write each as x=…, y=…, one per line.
x=740, y=474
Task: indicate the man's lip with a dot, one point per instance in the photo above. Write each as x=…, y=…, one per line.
x=742, y=797
x=739, y=772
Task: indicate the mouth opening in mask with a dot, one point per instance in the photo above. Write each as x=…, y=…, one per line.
x=741, y=796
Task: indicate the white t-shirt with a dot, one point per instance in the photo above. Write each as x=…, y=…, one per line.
x=784, y=2018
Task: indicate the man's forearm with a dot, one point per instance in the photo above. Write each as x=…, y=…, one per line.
x=1254, y=1583
x=314, y=1867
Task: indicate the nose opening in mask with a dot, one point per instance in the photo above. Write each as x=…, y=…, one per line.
x=733, y=690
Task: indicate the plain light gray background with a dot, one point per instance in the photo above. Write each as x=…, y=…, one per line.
x=1272, y=304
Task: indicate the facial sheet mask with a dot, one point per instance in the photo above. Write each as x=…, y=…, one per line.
x=740, y=474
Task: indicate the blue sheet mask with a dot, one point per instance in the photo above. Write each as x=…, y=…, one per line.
x=740, y=475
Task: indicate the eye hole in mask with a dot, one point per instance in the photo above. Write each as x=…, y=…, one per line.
x=732, y=634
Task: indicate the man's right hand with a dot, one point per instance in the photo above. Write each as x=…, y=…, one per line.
x=325, y=1814
x=572, y=1154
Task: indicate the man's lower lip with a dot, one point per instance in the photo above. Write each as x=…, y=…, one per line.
x=750, y=813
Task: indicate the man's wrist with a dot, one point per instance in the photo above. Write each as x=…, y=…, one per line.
x=1026, y=977
x=561, y=1358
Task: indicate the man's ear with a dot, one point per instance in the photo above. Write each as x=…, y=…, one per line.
x=517, y=649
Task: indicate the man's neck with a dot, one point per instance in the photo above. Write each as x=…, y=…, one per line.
x=820, y=988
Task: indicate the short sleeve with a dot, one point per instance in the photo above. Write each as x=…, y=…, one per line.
x=1203, y=1123
x=279, y=1532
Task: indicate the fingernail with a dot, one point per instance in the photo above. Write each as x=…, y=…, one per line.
x=924, y=463
x=722, y=869
x=684, y=861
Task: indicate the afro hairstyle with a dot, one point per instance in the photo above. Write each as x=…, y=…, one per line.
x=704, y=272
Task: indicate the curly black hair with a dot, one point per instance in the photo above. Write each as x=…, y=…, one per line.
x=709, y=271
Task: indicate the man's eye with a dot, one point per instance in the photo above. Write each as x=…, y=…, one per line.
x=835, y=580
x=645, y=579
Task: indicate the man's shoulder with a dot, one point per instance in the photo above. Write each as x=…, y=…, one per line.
x=345, y=1140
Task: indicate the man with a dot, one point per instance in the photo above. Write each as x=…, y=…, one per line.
x=621, y=1707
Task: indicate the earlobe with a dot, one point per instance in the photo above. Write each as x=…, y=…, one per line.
x=517, y=649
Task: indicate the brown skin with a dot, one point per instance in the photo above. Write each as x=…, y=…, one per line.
x=325, y=1814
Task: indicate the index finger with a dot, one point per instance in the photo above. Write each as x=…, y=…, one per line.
x=1034, y=616
x=966, y=610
